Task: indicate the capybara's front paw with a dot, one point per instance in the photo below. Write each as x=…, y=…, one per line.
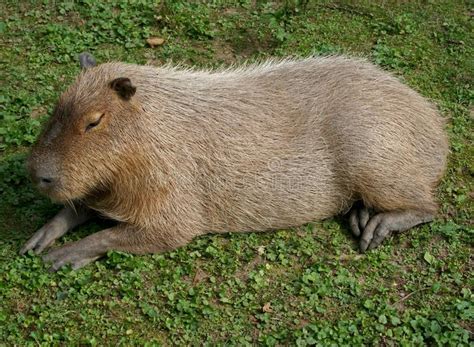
x=43, y=238
x=72, y=254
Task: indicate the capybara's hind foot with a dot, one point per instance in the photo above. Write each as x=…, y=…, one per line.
x=382, y=225
x=358, y=218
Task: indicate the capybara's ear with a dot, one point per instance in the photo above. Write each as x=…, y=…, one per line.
x=86, y=60
x=124, y=88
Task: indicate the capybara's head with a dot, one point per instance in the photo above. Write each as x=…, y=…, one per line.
x=80, y=147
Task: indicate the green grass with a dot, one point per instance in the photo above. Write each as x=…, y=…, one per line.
x=303, y=286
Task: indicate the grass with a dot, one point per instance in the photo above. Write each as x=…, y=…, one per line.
x=303, y=286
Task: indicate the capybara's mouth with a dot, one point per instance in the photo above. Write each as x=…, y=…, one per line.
x=58, y=193
x=59, y=196
x=62, y=191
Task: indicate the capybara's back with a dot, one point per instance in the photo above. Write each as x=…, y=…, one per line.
x=184, y=152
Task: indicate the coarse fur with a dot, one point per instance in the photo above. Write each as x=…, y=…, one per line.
x=258, y=147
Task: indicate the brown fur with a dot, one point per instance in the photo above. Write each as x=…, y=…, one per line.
x=251, y=148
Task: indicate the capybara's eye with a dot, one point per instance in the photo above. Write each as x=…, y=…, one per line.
x=95, y=123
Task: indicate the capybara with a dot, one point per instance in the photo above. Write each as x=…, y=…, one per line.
x=174, y=153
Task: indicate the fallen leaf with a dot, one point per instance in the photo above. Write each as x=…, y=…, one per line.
x=349, y=257
x=302, y=323
x=429, y=258
x=38, y=112
x=155, y=41
x=267, y=308
x=199, y=276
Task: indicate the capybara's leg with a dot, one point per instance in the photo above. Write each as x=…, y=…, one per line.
x=123, y=237
x=358, y=218
x=382, y=225
x=67, y=219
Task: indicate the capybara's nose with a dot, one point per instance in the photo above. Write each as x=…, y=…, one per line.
x=43, y=175
x=45, y=181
